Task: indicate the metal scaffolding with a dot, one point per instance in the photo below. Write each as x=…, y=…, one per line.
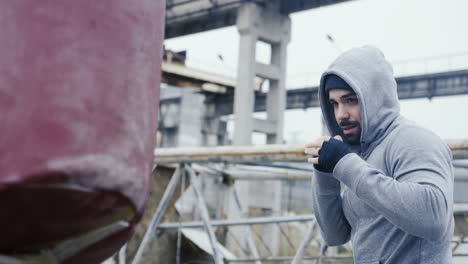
x=183, y=162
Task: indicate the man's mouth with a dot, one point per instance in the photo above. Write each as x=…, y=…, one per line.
x=349, y=129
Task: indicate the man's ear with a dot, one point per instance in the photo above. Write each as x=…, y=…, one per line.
x=338, y=137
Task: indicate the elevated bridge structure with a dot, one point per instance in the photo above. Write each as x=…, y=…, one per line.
x=409, y=87
x=428, y=85
x=185, y=17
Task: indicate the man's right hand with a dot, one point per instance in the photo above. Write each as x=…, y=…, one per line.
x=313, y=149
x=332, y=150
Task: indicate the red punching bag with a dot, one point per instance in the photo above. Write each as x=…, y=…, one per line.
x=79, y=91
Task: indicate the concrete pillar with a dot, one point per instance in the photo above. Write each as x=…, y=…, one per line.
x=268, y=25
x=190, y=120
x=214, y=130
x=181, y=121
x=265, y=24
x=276, y=98
x=244, y=98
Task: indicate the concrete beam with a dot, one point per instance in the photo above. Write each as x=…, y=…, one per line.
x=264, y=126
x=181, y=75
x=270, y=72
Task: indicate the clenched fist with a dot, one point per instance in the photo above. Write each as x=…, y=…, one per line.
x=326, y=152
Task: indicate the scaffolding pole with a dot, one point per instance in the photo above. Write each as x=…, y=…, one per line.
x=265, y=154
x=122, y=255
x=232, y=154
x=250, y=241
x=305, y=243
x=289, y=258
x=245, y=221
x=217, y=256
x=245, y=173
x=168, y=193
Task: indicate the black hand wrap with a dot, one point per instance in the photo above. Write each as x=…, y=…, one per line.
x=330, y=153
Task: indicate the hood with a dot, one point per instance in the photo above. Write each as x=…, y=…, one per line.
x=370, y=75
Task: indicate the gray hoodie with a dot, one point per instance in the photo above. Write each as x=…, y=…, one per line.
x=397, y=197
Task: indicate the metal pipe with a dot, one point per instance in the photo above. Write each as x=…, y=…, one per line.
x=460, y=154
x=256, y=173
x=245, y=221
x=262, y=242
x=123, y=255
x=259, y=175
x=459, y=208
x=305, y=243
x=290, y=243
x=250, y=241
x=179, y=231
x=217, y=256
x=288, y=258
x=158, y=215
x=71, y=247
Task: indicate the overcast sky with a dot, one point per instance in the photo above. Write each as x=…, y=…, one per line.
x=417, y=36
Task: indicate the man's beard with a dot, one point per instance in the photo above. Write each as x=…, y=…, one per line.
x=355, y=137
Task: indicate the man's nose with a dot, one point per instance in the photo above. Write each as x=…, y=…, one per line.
x=342, y=114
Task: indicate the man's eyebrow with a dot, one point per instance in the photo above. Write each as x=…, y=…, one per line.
x=350, y=94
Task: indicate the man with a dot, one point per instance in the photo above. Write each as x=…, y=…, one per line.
x=397, y=178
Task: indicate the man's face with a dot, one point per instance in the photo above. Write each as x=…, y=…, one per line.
x=347, y=113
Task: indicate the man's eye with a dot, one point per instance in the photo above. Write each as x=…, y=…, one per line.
x=352, y=101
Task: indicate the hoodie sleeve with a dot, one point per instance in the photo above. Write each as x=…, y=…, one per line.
x=328, y=209
x=417, y=196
